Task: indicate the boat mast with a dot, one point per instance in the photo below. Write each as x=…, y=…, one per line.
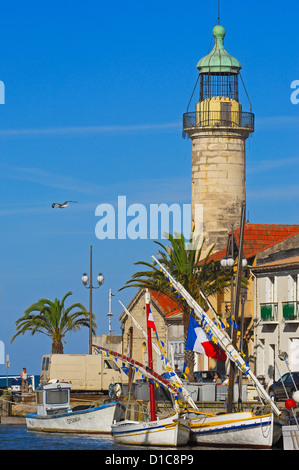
x=235, y=313
x=150, y=357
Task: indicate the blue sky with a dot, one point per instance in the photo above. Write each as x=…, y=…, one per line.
x=94, y=97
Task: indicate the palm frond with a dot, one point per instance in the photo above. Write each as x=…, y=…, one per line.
x=52, y=319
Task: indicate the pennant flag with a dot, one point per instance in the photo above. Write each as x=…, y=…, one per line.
x=151, y=321
x=186, y=370
x=198, y=341
x=125, y=369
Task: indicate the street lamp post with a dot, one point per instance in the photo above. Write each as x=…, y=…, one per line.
x=85, y=280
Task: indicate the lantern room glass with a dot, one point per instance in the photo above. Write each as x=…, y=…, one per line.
x=219, y=84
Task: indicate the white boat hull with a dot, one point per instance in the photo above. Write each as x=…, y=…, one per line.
x=242, y=429
x=173, y=431
x=93, y=420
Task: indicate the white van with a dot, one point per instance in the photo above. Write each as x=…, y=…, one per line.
x=86, y=373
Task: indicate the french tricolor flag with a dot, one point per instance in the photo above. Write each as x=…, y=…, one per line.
x=151, y=321
x=198, y=341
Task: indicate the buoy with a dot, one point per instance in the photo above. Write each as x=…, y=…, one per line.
x=290, y=403
x=296, y=396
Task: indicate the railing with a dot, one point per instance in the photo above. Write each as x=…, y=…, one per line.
x=233, y=119
x=290, y=310
x=269, y=311
x=8, y=379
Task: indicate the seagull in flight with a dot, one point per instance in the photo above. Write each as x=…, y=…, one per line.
x=61, y=206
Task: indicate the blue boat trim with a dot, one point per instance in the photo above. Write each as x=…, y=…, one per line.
x=230, y=428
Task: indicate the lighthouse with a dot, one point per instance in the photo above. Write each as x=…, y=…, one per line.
x=218, y=129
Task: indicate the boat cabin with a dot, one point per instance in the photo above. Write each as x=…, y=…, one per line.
x=53, y=398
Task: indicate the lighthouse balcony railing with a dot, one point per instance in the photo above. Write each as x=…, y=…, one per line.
x=233, y=119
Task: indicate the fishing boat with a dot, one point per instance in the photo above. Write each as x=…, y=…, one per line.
x=169, y=431
x=55, y=415
x=172, y=431
x=240, y=429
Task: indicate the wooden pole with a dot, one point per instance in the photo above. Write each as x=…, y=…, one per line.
x=241, y=350
x=232, y=369
x=130, y=367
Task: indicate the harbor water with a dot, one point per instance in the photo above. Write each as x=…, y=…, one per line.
x=17, y=437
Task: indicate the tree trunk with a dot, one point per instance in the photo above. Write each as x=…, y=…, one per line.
x=189, y=361
x=57, y=347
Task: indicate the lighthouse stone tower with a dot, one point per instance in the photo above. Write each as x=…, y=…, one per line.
x=218, y=130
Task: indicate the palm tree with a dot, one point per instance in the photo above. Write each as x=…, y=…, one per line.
x=53, y=320
x=186, y=266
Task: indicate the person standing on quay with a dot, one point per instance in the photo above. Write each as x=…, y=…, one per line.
x=24, y=379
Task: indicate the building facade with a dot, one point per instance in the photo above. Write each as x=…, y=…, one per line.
x=276, y=317
x=264, y=244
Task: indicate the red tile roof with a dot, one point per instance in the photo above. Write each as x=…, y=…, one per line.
x=258, y=237
x=170, y=307
x=217, y=256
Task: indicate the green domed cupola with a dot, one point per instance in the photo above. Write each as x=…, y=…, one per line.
x=219, y=60
x=219, y=70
